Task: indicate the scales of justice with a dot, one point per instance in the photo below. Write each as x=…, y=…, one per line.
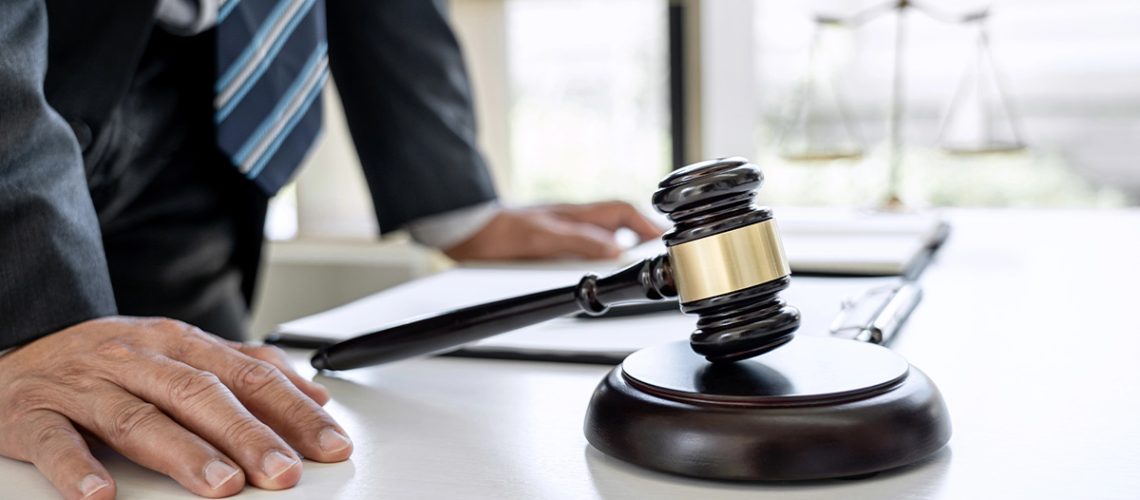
x=743, y=398
x=819, y=125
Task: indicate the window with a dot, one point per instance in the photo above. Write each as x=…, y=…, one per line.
x=1071, y=68
x=588, y=113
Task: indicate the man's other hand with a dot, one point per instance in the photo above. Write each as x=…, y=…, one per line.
x=211, y=414
x=555, y=231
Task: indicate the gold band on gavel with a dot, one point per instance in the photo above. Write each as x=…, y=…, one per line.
x=727, y=262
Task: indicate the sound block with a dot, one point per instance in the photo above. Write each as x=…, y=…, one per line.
x=815, y=408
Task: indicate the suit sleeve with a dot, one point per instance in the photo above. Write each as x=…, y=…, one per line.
x=400, y=73
x=52, y=270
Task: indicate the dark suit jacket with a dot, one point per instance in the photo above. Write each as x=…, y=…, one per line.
x=397, y=65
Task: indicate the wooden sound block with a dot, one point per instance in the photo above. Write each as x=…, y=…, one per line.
x=815, y=408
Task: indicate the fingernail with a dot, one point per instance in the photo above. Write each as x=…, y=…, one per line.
x=276, y=463
x=218, y=472
x=91, y=484
x=331, y=440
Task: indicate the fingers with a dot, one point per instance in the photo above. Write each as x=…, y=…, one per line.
x=552, y=232
x=203, y=405
x=640, y=224
x=273, y=399
x=168, y=397
x=60, y=453
x=612, y=215
x=276, y=357
x=580, y=240
x=145, y=435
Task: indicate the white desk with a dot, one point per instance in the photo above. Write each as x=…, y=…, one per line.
x=1029, y=327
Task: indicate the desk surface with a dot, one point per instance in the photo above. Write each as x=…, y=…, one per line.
x=1029, y=328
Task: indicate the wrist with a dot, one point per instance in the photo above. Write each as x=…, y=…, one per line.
x=446, y=230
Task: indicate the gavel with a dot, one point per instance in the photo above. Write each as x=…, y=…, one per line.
x=713, y=407
x=724, y=262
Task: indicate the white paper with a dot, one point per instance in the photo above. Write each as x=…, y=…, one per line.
x=817, y=298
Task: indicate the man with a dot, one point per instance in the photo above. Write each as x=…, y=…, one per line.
x=133, y=181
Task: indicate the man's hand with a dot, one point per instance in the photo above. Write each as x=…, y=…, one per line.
x=583, y=231
x=211, y=414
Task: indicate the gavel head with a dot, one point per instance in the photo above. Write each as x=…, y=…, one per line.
x=726, y=259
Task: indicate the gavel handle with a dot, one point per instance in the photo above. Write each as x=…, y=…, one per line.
x=649, y=279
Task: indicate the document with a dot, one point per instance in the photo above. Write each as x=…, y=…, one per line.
x=858, y=242
x=818, y=298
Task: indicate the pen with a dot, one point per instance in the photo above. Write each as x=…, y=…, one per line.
x=889, y=318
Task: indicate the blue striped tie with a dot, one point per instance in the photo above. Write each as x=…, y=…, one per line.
x=272, y=66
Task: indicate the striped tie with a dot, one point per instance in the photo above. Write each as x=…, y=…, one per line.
x=272, y=66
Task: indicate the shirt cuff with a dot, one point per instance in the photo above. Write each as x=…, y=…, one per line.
x=448, y=229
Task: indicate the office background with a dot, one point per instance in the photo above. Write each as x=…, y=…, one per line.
x=572, y=94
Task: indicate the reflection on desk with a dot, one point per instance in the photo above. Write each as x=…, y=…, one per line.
x=1030, y=337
